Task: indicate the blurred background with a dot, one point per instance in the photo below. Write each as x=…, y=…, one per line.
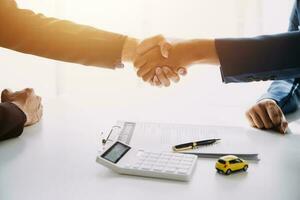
x=143, y=18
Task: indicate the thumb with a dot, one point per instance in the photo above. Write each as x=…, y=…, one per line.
x=283, y=127
x=5, y=95
x=165, y=48
x=150, y=43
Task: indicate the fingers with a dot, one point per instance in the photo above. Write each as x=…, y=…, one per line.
x=149, y=76
x=256, y=120
x=8, y=95
x=40, y=110
x=40, y=113
x=33, y=110
x=148, y=62
x=150, y=43
x=182, y=71
x=171, y=75
x=167, y=74
x=29, y=91
x=282, y=128
x=274, y=112
x=266, y=115
x=162, y=77
x=140, y=61
x=156, y=81
x=263, y=115
x=165, y=47
x=143, y=71
x=250, y=120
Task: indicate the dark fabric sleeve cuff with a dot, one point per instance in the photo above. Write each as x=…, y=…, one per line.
x=12, y=121
x=221, y=51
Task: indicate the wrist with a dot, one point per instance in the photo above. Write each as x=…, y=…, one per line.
x=19, y=105
x=268, y=99
x=129, y=49
x=204, y=51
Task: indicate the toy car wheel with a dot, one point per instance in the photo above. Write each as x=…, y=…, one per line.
x=245, y=168
x=228, y=172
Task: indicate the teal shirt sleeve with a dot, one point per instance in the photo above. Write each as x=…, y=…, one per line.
x=286, y=93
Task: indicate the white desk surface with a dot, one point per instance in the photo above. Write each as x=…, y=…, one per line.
x=55, y=159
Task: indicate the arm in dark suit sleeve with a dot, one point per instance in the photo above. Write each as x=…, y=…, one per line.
x=260, y=58
x=12, y=121
x=286, y=92
x=270, y=57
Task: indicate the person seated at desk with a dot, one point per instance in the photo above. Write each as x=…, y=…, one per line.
x=262, y=58
x=18, y=109
x=24, y=31
x=281, y=98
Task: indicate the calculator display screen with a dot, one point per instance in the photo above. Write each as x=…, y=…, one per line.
x=115, y=152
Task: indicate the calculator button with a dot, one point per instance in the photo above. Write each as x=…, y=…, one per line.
x=174, y=162
x=170, y=169
x=185, y=163
x=188, y=159
x=163, y=160
x=179, y=157
x=136, y=167
x=146, y=154
x=182, y=171
x=158, y=168
x=152, y=160
x=140, y=153
x=138, y=163
x=155, y=155
x=165, y=157
x=184, y=166
x=176, y=158
x=146, y=166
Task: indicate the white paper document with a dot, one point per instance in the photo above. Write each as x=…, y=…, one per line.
x=157, y=136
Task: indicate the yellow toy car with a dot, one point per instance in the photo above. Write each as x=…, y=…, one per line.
x=228, y=164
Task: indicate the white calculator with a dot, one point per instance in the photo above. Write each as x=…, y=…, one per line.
x=123, y=159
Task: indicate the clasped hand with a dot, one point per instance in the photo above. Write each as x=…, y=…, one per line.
x=159, y=62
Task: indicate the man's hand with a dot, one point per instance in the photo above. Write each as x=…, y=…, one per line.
x=162, y=46
x=266, y=114
x=27, y=101
x=181, y=54
x=148, y=63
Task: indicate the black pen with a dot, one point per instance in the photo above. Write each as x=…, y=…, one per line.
x=193, y=145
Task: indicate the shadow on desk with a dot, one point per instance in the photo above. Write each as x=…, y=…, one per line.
x=293, y=117
x=106, y=174
x=294, y=122
x=12, y=148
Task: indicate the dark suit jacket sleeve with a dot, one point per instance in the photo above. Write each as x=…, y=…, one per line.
x=31, y=33
x=286, y=92
x=12, y=121
x=262, y=58
x=270, y=57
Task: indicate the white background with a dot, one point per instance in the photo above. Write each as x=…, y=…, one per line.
x=143, y=18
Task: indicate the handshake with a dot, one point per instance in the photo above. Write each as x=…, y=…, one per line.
x=159, y=61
